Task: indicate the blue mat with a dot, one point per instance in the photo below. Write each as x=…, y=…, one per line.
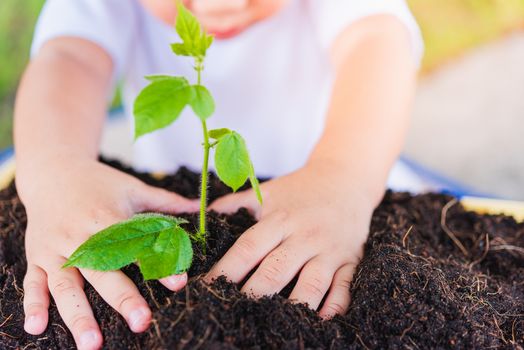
x=436, y=181
x=442, y=183
x=6, y=154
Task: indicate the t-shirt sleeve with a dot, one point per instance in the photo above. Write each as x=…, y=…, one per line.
x=331, y=17
x=111, y=24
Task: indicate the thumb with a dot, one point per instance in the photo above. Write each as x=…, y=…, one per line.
x=232, y=202
x=151, y=198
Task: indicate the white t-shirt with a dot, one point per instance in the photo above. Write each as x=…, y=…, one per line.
x=271, y=83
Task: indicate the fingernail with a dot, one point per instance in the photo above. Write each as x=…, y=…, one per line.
x=176, y=280
x=137, y=319
x=31, y=323
x=88, y=340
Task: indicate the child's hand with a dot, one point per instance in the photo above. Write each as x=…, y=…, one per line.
x=314, y=223
x=64, y=207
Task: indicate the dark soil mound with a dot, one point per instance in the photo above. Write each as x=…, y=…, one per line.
x=414, y=289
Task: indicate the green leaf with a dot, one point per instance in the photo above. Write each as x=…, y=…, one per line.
x=218, y=133
x=187, y=25
x=160, y=103
x=204, y=43
x=181, y=49
x=207, y=40
x=202, y=103
x=171, y=254
x=195, y=41
x=157, y=242
x=232, y=160
x=154, y=78
x=254, y=182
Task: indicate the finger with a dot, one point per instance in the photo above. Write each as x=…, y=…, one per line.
x=230, y=203
x=66, y=286
x=277, y=269
x=174, y=282
x=313, y=283
x=160, y=200
x=122, y=295
x=36, y=300
x=249, y=250
x=338, y=299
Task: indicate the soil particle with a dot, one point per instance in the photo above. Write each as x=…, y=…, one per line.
x=416, y=288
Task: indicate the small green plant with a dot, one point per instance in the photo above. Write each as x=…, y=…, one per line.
x=156, y=241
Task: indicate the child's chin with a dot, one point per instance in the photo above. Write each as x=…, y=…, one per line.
x=228, y=34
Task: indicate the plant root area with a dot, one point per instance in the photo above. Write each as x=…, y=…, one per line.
x=433, y=276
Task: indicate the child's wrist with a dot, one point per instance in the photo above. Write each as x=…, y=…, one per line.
x=32, y=170
x=349, y=180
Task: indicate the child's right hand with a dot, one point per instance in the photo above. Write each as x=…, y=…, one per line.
x=66, y=204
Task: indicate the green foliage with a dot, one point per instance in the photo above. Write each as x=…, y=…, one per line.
x=232, y=160
x=172, y=254
x=156, y=78
x=255, y=184
x=202, y=103
x=218, y=133
x=195, y=41
x=155, y=241
x=17, y=19
x=450, y=27
x=160, y=103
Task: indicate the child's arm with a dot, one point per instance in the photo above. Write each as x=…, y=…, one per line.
x=68, y=195
x=315, y=221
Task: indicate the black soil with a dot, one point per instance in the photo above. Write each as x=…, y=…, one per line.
x=414, y=289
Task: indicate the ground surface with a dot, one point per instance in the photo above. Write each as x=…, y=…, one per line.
x=414, y=289
x=469, y=118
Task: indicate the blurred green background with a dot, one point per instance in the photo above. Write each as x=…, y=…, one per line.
x=449, y=26
x=17, y=20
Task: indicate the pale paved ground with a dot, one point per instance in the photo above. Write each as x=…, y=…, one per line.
x=469, y=119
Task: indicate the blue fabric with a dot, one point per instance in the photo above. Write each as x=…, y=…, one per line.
x=442, y=183
x=6, y=154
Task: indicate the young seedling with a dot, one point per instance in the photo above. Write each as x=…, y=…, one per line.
x=157, y=242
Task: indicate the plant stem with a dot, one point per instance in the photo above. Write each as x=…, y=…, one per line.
x=203, y=189
x=201, y=236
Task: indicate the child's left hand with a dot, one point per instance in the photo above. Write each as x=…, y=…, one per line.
x=314, y=222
